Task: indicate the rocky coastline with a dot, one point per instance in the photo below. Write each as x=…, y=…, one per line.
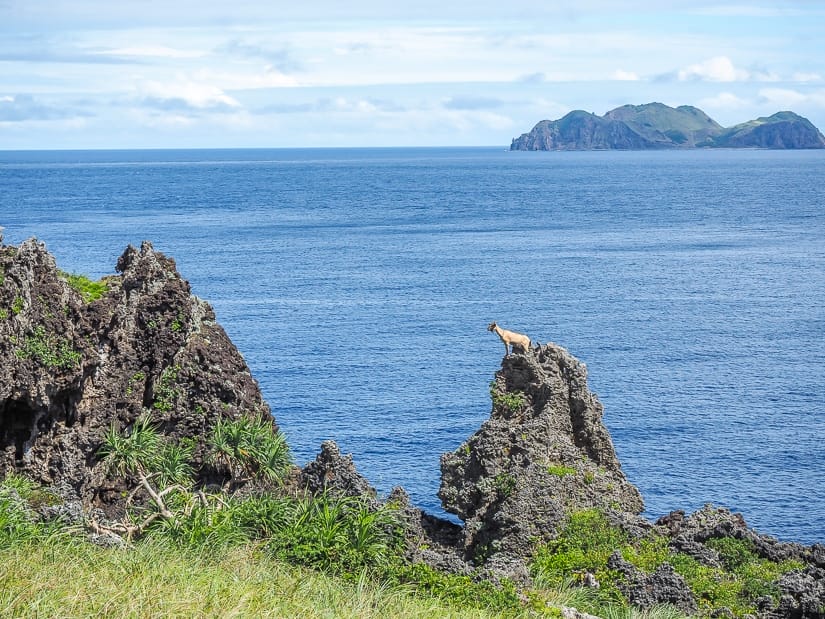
x=75, y=364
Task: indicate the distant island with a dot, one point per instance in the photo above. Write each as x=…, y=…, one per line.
x=658, y=126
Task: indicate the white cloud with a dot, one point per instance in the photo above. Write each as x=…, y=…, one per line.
x=269, y=77
x=724, y=101
x=722, y=69
x=717, y=69
x=806, y=77
x=625, y=76
x=152, y=51
x=185, y=93
x=751, y=10
x=786, y=98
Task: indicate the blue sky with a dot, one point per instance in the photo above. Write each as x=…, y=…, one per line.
x=268, y=73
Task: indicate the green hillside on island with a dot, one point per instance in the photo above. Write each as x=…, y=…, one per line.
x=658, y=126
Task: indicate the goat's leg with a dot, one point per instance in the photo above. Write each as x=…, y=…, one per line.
x=506, y=349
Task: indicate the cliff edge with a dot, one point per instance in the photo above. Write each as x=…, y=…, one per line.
x=72, y=365
x=543, y=453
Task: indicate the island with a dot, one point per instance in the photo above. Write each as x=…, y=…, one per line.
x=658, y=126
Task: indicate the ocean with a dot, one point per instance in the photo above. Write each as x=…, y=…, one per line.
x=358, y=284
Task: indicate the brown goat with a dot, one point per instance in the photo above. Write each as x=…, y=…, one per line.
x=510, y=339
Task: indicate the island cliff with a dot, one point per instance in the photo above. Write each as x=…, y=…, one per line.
x=539, y=476
x=658, y=126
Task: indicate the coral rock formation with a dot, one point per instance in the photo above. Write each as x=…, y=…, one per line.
x=70, y=368
x=543, y=452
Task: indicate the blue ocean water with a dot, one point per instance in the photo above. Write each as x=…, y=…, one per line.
x=358, y=284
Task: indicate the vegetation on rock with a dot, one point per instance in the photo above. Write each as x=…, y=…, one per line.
x=88, y=289
x=156, y=444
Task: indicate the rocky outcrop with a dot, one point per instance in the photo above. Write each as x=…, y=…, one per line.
x=543, y=453
x=580, y=130
x=800, y=592
x=72, y=368
x=783, y=130
x=335, y=474
x=657, y=126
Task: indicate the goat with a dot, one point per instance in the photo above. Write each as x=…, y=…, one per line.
x=510, y=338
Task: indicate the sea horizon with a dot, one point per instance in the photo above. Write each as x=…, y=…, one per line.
x=694, y=300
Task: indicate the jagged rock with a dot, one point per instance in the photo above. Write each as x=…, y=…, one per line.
x=429, y=539
x=816, y=555
x=70, y=369
x=663, y=586
x=543, y=453
x=711, y=522
x=802, y=592
x=803, y=595
x=335, y=475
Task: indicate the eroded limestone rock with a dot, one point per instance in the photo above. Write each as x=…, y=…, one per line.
x=70, y=369
x=543, y=453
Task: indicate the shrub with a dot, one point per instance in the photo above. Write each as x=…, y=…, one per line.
x=340, y=534
x=246, y=448
x=583, y=546
x=560, y=470
x=504, y=483
x=88, y=289
x=745, y=577
x=510, y=401
x=166, y=392
x=49, y=350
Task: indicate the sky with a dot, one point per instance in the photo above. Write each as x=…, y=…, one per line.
x=89, y=74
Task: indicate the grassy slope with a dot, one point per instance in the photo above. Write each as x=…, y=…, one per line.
x=68, y=577
x=653, y=120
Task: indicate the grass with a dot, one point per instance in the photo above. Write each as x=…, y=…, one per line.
x=588, y=540
x=560, y=470
x=238, y=558
x=88, y=289
x=49, y=350
x=166, y=389
x=269, y=555
x=154, y=579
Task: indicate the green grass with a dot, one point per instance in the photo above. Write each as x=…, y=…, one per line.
x=588, y=540
x=88, y=289
x=583, y=546
x=560, y=470
x=231, y=558
x=67, y=577
x=49, y=350
x=263, y=556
